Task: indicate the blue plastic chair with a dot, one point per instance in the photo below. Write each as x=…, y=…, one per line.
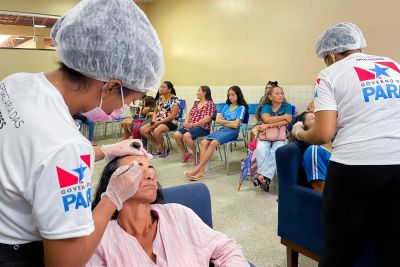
x=180, y=119
x=182, y=107
x=244, y=128
x=228, y=145
x=218, y=109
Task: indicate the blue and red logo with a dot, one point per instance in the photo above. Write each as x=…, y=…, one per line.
x=75, y=189
x=317, y=82
x=378, y=72
x=380, y=82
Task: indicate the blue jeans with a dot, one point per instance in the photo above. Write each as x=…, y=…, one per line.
x=265, y=157
x=90, y=125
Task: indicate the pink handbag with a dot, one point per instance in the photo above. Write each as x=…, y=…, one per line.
x=277, y=133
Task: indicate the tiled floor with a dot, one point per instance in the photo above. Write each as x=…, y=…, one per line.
x=249, y=216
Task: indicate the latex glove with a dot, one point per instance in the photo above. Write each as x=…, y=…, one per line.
x=297, y=128
x=124, y=183
x=124, y=148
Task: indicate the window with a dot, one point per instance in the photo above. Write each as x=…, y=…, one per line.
x=25, y=30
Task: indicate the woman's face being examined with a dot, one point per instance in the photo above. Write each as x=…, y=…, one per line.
x=147, y=190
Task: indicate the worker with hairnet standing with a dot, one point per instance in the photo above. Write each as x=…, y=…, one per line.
x=110, y=55
x=357, y=96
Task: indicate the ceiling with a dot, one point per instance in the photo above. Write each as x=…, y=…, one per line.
x=21, y=20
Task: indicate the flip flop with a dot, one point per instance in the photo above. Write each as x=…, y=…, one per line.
x=187, y=175
x=197, y=178
x=165, y=154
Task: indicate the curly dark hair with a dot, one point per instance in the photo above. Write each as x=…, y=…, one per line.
x=108, y=170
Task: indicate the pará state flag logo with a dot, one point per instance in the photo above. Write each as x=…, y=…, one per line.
x=380, y=81
x=74, y=188
x=317, y=82
x=379, y=71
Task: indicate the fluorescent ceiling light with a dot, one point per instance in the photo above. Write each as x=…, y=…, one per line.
x=39, y=26
x=19, y=38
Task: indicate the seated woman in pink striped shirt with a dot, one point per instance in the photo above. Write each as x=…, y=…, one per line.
x=147, y=233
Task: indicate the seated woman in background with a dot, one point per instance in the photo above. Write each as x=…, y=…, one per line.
x=315, y=157
x=269, y=86
x=147, y=233
x=164, y=118
x=230, y=118
x=146, y=109
x=275, y=112
x=197, y=124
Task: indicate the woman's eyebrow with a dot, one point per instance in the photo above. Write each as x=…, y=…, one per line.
x=150, y=166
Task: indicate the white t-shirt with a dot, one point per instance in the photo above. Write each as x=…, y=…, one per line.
x=46, y=164
x=364, y=90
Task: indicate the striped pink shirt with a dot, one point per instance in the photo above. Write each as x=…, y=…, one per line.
x=182, y=239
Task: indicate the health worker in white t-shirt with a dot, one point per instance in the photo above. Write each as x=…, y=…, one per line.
x=357, y=97
x=110, y=55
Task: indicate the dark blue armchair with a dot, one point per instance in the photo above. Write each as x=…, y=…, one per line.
x=195, y=196
x=300, y=223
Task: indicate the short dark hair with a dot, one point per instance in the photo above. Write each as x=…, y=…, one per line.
x=149, y=101
x=108, y=170
x=83, y=80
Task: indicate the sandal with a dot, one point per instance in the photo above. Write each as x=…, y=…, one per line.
x=187, y=175
x=265, y=184
x=165, y=154
x=197, y=178
x=255, y=181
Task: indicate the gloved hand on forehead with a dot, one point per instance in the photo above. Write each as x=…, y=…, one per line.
x=297, y=128
x=124, y=183
x=132, y=147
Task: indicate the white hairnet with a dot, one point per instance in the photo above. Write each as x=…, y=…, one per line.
x=110, y=39
x=339, y=38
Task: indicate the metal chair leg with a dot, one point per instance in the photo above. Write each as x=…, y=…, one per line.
x=227, y=160
x=105, y=129
x=219, y=150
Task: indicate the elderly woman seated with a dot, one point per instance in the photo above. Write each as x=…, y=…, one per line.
x=146, y=232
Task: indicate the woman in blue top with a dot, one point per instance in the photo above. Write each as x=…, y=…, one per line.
x=275, y=112
x=230, y=118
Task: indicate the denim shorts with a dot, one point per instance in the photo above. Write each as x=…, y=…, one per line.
x=224, y=135
x=195, y=132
